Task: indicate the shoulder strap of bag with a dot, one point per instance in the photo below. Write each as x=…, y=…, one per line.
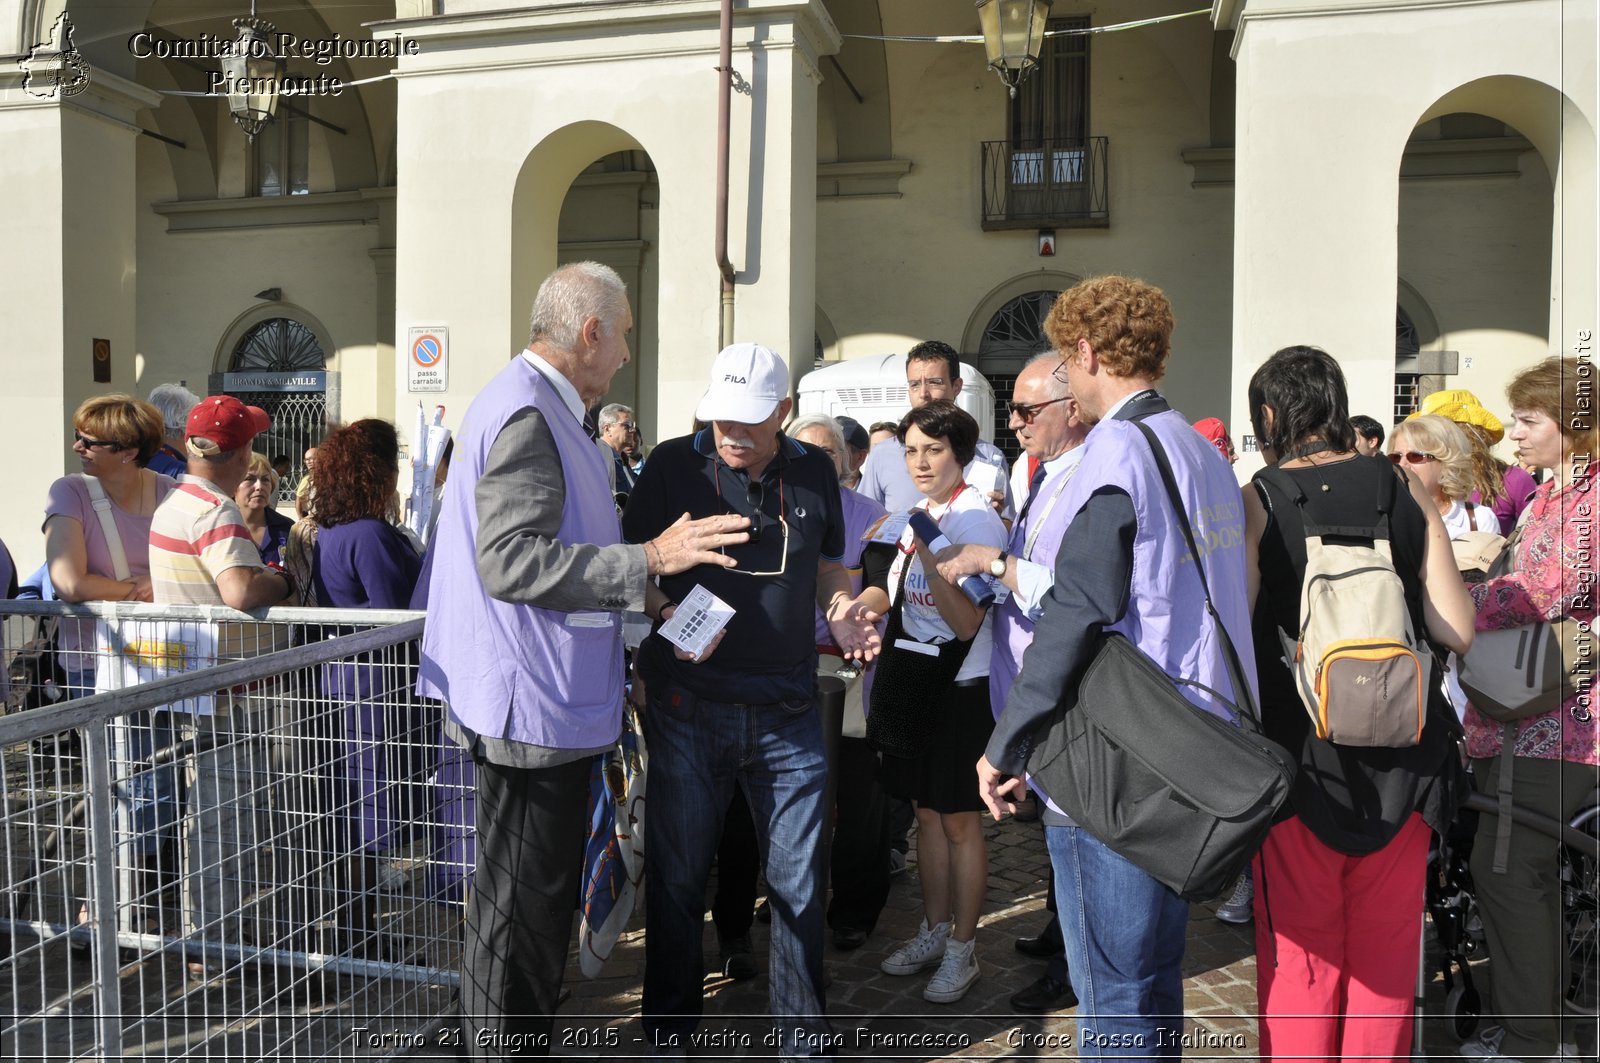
x=1241, y=689
x=108, y=525
x=1279, y=478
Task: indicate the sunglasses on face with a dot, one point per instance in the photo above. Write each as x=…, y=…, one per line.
x=626, y=426
x=1027, y=411
x=90, y=444
x=1411, y=457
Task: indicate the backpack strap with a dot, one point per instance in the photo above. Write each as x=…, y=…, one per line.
x=1276, y=476
x=108, y=525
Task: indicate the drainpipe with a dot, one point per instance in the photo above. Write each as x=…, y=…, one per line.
x=724, y=105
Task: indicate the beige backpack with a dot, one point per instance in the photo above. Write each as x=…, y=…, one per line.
x=1361, y=670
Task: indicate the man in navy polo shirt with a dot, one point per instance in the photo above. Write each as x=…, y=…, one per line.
x=745, y=716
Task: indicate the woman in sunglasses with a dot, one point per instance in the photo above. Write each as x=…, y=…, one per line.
x=899, y=575
x=104, y=556
x=1437, y=452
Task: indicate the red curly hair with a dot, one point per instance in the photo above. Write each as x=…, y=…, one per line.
x=355, y=474
x=1125, y=320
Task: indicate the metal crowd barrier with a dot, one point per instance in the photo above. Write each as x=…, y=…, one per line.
x=225, y=836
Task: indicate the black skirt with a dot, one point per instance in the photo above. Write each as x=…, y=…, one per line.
x=945, y=777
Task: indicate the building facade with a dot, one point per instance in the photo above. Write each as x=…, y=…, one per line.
x=1407, y=183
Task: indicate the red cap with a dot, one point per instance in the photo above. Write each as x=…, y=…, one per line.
x=228, y=423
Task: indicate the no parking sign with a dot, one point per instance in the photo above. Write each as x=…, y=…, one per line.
x=428, y=358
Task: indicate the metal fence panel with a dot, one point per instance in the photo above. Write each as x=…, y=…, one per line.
x=252, y=858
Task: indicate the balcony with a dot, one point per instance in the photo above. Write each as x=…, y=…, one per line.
x=1051, y=184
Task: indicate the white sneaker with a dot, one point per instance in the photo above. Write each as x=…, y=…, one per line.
x=956, y=973
x=920, y=953
x=1239, y=908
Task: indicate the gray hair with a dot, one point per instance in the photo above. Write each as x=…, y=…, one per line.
x=174, y=401
x=829, y=425
x=611, y=413
x=572, y=295
x=1054, y=387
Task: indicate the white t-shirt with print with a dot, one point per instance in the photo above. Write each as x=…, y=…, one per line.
x=968, y=519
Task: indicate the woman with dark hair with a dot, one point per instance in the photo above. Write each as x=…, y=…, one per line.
x=1555, y=754
x=363, y=560
x=1339, y=880
x=900, y=575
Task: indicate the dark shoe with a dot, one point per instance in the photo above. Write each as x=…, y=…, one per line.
x=1046, y=945
x=764, y=913
x=738, y=958
x=1046, y=994
x=847, y=938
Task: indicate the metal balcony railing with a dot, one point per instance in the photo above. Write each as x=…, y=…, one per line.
x=1047, y=184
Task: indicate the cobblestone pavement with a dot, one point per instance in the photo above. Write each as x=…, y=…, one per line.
x=885, y=1017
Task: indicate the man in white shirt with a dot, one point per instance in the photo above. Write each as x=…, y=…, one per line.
x=933, y=372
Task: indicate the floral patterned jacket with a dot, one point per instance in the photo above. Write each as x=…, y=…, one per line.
x=1554, y=577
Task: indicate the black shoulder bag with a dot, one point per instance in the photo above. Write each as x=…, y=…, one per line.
x=1182, y=794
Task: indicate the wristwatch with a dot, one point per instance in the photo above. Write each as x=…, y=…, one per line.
x=997, y=567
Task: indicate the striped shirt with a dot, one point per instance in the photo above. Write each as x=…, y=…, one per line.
x=196, y=535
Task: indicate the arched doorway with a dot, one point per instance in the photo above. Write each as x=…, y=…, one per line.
x=280, y=363
x=1005, y=331
x=600, y=189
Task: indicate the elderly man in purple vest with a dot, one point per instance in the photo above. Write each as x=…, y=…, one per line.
x=1051, y=429
x=747, y=717
x=529, y=582
x=1122, y=565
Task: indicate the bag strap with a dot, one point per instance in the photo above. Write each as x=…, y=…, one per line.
x=1279, y=477
x=108, y=525
x=1241, y=689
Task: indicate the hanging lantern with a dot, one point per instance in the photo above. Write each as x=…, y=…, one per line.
x=254, y=74
x=1013, y=33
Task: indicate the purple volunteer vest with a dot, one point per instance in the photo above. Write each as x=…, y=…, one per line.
x=519, y=672
x=1166, y=616
x=1013, y=631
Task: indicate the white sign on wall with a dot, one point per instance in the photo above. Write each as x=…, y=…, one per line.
x=428, y=358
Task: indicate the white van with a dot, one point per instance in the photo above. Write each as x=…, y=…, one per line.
x=873, y=388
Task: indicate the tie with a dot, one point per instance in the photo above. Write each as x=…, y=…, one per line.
x=590, y=426
x=1034, y=482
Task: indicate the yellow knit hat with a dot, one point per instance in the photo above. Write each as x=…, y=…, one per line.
x=1463, y=407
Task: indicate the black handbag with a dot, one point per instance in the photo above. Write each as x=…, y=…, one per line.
x=1180, y=793
x=908, y=685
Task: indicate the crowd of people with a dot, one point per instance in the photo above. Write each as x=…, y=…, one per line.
x=961, y=598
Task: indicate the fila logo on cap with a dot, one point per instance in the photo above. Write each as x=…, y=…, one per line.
x=730, y=378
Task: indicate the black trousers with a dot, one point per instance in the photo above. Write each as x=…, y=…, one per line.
x=860, y=840
x=532, y=824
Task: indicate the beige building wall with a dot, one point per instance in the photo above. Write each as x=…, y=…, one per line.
x=916, y=264
x=1320, y=170
x=511, y=166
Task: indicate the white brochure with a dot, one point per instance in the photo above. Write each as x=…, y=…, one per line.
x=696, y=621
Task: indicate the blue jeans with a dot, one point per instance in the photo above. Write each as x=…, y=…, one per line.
x=1125, y=935
x=699, y=751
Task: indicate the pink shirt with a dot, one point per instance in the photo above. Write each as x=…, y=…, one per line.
x=69, y=497
x=1554, y=577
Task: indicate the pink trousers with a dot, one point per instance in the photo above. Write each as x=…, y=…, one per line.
x=1336, y=944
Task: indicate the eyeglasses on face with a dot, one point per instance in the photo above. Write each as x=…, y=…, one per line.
x=626, y=426
x=90, y=444
x=1027, y=411
x=926, y=382
x=1411, y=457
